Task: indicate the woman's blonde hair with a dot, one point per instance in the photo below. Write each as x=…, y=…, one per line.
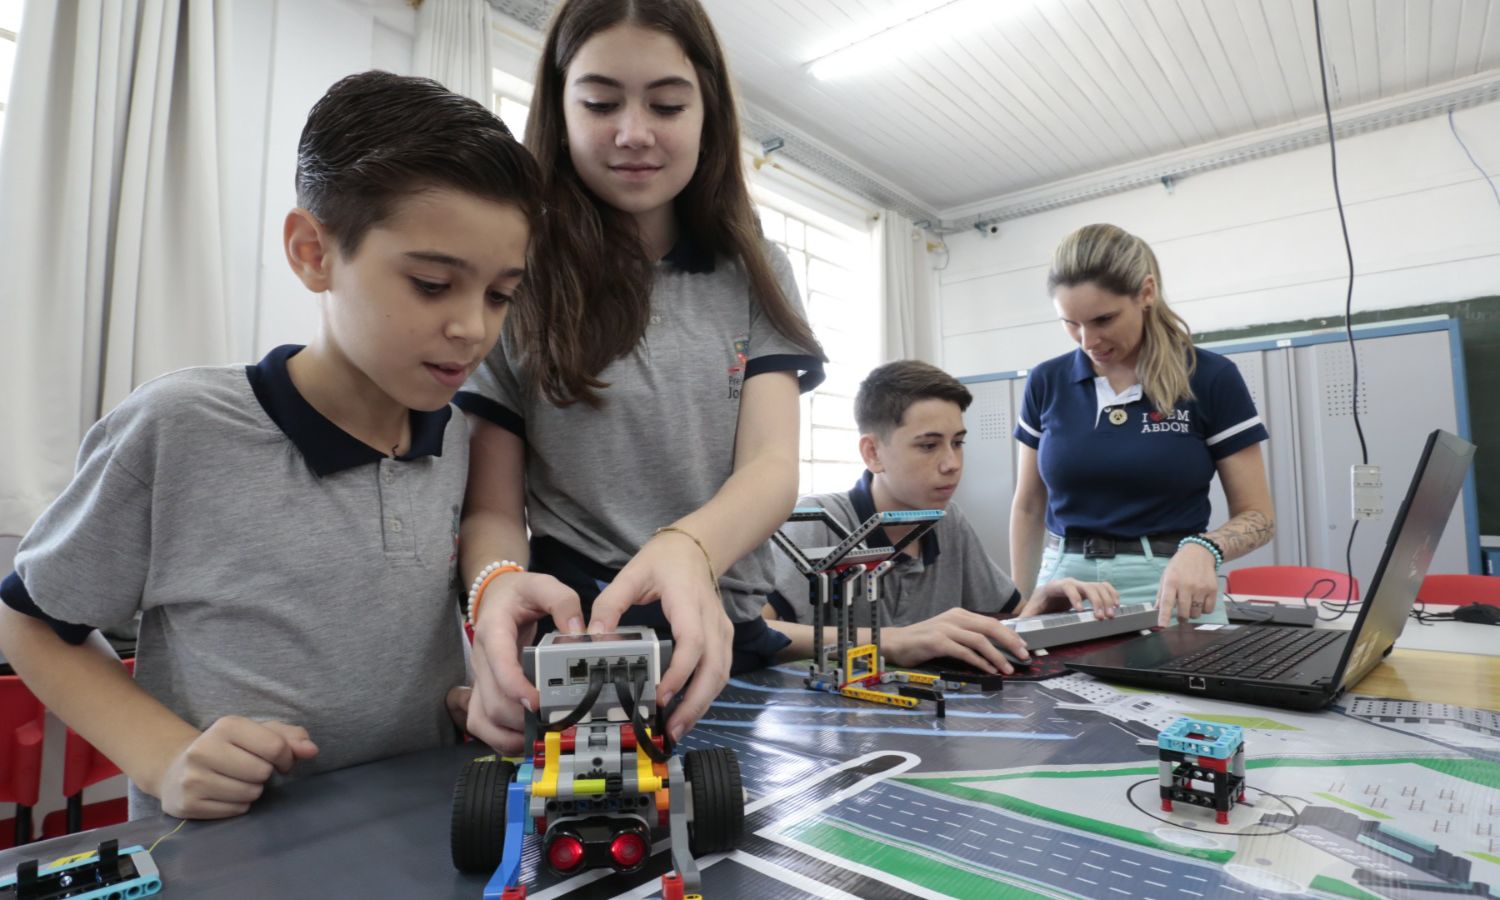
x=1119, y=262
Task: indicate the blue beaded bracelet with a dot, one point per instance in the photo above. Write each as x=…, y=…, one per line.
x=1206, y=544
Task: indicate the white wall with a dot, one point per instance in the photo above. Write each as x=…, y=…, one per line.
x=1254, y=243
x=287, y=53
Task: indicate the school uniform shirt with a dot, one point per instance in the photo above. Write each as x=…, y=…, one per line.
x=1115, y=466
x=949, y=568
x=282, y=568
x=600, y=481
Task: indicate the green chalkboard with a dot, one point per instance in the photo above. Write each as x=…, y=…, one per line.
x=1479, y=332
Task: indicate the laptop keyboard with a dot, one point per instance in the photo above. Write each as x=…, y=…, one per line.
x=1263, y=652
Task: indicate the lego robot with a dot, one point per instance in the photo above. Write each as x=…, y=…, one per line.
x=1202, y=751
x=599, y=777
x=838, y=576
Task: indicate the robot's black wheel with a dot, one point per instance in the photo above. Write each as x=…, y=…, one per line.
x=478, y=829
x=713, y=777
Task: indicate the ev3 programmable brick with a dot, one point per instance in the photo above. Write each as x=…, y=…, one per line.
x=563, y=665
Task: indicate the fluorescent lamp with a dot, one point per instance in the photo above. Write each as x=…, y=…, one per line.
x=920, y=31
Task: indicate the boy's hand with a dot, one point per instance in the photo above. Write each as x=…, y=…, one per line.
x=225, y=769
x=959, y=633
x=508, y=613
x=672, y=568
x=1065, y=593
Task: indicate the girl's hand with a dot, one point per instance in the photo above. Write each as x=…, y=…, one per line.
x=1189, y=586
x=672, y=569
x=508, y=612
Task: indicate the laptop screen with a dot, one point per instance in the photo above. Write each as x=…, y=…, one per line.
x=1409, y=548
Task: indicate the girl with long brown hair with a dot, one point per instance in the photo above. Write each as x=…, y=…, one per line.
x=639, y=416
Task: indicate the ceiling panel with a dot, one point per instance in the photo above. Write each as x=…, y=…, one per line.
x=1029, y=93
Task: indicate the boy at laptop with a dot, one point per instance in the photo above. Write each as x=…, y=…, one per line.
x=287, y=530
x=944, y=595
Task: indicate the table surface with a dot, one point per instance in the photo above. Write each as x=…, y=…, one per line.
x=1453, y=637
x=381, y=830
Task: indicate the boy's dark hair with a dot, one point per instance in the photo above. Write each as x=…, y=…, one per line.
x=889, y=390
x=376, y=137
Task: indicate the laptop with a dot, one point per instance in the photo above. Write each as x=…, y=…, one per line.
x=1304, y=668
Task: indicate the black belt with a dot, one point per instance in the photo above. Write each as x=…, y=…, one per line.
x=1097, y=546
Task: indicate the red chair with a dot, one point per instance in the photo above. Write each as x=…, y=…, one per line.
x=1460, y=590
x=84, y=766
x=1291, y=581
x=22, y=728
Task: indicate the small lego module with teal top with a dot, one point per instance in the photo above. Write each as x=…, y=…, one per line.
x=1195, y=752
x=1209, y=739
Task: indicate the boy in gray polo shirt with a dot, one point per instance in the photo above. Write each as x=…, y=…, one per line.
x=287, y=531
x=944, y=595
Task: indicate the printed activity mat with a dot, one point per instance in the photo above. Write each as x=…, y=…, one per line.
x=1051, y=789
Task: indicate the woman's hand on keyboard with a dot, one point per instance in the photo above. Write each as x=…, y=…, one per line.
x=1070, y=593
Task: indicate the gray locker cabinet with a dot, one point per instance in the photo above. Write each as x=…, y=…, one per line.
x=1406, y=389
x=989, y=478
x=1268, y=380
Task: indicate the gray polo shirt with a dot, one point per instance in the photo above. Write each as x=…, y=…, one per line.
x=282, y=568
x=951, y=569
x=600, y=481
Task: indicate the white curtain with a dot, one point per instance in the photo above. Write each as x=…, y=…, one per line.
x=906, y=286
x=453, y=47
x=111, y=240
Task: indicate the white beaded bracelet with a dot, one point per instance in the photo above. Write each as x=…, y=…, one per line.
x=482, y=581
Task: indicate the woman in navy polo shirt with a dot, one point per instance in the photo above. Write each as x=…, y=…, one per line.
x=1121, y=438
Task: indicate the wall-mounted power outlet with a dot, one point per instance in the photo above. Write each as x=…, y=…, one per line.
x=1366, y=494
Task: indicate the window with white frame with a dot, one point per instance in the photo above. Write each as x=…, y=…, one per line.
x=10, y=26
x=833, y=262
x=512, y=101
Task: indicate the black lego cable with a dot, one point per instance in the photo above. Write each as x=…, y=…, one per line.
x=1338, y=199
x=630, y=699
x=584, y=707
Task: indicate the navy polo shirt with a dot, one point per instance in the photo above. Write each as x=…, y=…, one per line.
x=1149, y=474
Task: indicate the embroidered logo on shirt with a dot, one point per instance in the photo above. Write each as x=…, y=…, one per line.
x=740, y=347
x=1178, y=420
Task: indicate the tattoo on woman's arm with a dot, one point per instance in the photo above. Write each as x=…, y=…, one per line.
x=1243, y=533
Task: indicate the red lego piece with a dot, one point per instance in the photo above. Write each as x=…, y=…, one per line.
x=671, y=887
x=514, y=893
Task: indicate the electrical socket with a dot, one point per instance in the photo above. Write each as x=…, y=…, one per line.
x=1366, y=499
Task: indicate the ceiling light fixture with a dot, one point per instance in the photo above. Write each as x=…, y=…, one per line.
x=941, y=22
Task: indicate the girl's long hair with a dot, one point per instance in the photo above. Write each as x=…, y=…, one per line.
x=1118, y=261
x=588, y=293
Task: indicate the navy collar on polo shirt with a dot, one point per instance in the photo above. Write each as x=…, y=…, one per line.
x=327, y=448
x=690, y=256
x=1083, y=370
x=862, y=499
